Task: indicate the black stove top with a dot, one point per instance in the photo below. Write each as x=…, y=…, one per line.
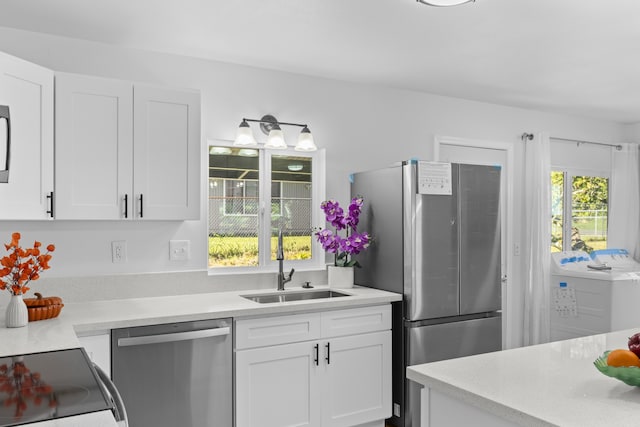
x=44, y=386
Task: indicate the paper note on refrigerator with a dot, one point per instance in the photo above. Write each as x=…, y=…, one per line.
x=434, y=178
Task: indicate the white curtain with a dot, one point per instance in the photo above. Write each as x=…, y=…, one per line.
x=624, y=202
x=537, y=238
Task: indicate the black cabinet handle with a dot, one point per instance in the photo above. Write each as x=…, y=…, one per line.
x=4, y=170
x=141, y=206
x=328, y=356
x=126, y=205
x=50, y=197
x=316, y=358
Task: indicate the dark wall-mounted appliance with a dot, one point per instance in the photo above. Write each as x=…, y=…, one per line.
x=5, y=143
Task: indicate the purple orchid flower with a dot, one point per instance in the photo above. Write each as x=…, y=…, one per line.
x=354, y=242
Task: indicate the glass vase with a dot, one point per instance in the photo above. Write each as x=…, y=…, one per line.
x=17, y=315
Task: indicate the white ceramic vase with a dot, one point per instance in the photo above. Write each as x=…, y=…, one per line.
x=17, y=314
x=340, y=277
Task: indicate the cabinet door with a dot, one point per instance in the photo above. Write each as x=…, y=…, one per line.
x=278, y=386
x=27, y=90
x=166, y=153
x=94, y=147
x=356, y=379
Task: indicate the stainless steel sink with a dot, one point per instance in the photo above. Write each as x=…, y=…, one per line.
x=294, y=296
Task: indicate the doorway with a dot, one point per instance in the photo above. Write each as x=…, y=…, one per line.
x=480, y=152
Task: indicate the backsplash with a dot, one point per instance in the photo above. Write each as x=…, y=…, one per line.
x=94, y=288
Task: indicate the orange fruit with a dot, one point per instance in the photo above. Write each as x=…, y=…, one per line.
x=622, y=357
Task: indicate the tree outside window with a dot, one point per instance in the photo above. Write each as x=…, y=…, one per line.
x=579, y=217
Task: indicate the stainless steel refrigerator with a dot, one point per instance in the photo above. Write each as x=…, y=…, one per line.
x=436, y=231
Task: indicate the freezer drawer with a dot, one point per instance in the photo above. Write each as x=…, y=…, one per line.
x=446, y=341
x=455, y=339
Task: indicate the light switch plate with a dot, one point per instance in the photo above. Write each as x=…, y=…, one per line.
x=179, y=250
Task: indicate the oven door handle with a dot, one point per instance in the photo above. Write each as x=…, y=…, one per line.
x=177, y=336
x=119, y=411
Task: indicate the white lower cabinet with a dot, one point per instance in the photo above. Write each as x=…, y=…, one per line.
x=335, y=371
x=277, y=386
x=357, y=379
x=98, y=348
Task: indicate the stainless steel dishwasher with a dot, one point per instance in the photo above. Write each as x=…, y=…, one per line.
x=177, y=374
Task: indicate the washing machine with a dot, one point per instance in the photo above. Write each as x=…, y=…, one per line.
x=593, y=294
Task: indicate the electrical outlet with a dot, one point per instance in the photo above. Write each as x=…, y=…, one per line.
x=119, y=251
x=179, y=250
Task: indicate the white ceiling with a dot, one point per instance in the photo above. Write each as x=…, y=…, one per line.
x=578, y=57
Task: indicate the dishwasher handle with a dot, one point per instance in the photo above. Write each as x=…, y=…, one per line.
x=119, y=411
x=173, y=337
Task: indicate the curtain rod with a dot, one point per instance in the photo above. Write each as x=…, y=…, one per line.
x=529, y=136
x=577, y=141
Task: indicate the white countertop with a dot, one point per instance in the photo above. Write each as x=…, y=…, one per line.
x=90, y=318
x=553, y=384
x=96, y=317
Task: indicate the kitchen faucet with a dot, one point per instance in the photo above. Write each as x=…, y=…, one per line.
x=282, y=279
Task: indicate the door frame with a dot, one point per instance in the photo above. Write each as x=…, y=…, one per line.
x=509, y=296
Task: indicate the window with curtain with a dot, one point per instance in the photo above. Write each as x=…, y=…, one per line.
x=580, y=178
x=579, y=211
x=254, y=193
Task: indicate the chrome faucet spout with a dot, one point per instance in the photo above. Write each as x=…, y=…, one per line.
x=282, y=279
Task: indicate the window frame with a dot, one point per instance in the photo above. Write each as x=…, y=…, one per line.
x=244, y=195
x=318, y=187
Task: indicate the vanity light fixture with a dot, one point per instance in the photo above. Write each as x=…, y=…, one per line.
x=244, y=136
x=271, y=126
x=444, y=3
x=276, y=138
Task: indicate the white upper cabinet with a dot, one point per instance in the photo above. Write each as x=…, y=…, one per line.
x=26, y=139
x=94, y=147
x=166, y=153
x=126, y=151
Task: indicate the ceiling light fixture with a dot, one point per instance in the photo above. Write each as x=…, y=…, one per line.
x=219, y=151
x=271, y=126
x=444, y=3
x=247, y=152
x=296, y=167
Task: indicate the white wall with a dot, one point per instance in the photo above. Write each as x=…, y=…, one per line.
x=360, y=126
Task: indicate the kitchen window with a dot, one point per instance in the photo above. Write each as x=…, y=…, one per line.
x=253, y=193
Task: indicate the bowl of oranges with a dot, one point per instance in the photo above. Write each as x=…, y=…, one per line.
x=622, y=364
